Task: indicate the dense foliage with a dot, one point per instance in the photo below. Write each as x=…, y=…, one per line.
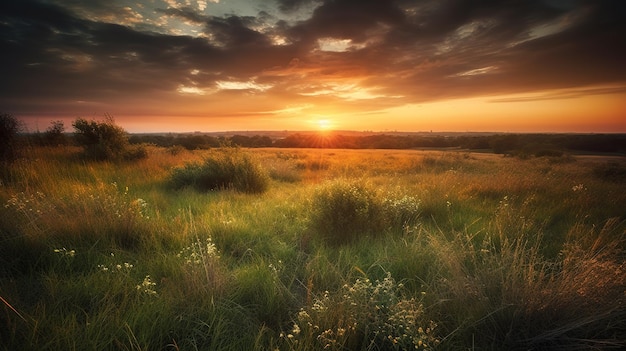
x=104, y=140
x=523, y=145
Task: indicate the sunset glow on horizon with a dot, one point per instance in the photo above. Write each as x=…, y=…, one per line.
x=228, y=65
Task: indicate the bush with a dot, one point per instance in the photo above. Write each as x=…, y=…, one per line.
x=105, y=140
x=135, y=152
x=343, y=210
x=228, y=168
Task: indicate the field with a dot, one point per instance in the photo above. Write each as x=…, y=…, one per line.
x=326, y=249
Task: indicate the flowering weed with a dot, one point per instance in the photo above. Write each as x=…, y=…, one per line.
x=364, y=315
x=401, y=210
x=202, y=272
x=147, y=286
x=116, y=267
x=30, y=210
x=199, y=252
x=63, y=252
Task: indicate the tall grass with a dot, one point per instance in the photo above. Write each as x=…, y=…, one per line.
x=103, y=212
x=364, y=250
x=505, y=292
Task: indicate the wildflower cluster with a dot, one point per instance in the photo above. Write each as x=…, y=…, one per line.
x=147, y=286
x=66, y=257
x=116, y=268
x=504, y=203
x=401, y=211
x=63, y=252
x=30, y=208
x=26, y=203
x=579, y=187
x=199, y=252
x=119, y=205
x=276, y=268
x=376, y=310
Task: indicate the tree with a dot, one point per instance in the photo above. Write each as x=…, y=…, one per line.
x=101, y=140
x=9, y=130
x=54, y=134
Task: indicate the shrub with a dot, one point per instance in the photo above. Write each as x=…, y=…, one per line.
x=343, y=210
x=228, y=168
x=105, y=140
x=135, y=152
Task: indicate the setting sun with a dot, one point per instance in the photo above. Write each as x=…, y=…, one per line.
x=324, y=124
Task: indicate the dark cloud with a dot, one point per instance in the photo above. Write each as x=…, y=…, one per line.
x=234, y=31
x=585, y=48
x=292, y=5
x=408, y=51
x=348, y=20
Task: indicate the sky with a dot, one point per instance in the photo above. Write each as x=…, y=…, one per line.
x=376, y=65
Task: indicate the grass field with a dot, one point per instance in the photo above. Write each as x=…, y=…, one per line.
x=326, y=249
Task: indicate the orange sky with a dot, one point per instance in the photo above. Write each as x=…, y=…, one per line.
x=392, y=65
x=473, y=114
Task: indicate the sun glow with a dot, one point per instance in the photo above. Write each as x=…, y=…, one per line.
x=324, y=124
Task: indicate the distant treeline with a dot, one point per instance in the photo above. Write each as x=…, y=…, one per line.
x=515, y=144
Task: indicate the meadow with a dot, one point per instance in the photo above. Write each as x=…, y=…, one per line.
x=312, y=249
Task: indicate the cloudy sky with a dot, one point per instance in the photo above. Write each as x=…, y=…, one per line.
x=410, y=65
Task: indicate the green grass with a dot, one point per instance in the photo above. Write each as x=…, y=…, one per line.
x=360, y=250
